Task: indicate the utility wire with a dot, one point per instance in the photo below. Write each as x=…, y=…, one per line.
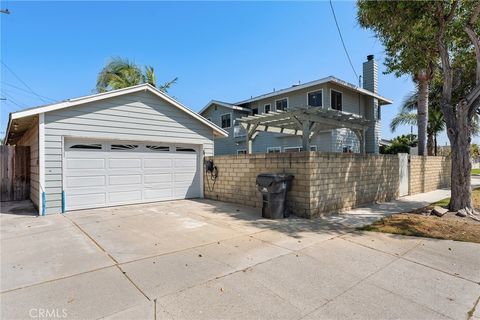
x=341, y=38
x=23, y=82
x=26, y=91
x=10, y=99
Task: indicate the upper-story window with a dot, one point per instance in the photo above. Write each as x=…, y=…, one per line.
x=254, y=111
x=226, y=121
x=315, y=99
x=267, y=108
x=281, y=104
x=336, y=100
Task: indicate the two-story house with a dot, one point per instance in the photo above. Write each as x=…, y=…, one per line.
x=328, y=93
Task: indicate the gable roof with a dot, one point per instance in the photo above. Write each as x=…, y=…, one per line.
x=110, y=94
x=223, y=104
x=331, y=79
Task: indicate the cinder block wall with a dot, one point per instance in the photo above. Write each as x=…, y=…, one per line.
x=324, y=182
x=343, y=180
x=237, y=175
x=429, y=173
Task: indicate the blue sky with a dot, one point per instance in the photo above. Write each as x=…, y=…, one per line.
x=218, y=50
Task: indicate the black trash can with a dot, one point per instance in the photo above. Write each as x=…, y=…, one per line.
x=274, y=187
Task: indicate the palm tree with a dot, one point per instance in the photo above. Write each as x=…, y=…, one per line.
x=408, y=116
x=121, y=73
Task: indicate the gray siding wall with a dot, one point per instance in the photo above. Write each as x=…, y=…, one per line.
x=135, y=117
x=30, y=139
x=352, y=101
x=227, y=145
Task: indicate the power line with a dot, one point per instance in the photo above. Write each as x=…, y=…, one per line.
x=23, y=82
x=10, y=99
x=26, y=91
x=341, y=38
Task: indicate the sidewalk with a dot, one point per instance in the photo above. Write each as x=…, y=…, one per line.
x=362, y=216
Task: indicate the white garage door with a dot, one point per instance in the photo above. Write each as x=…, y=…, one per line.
x=101, y=174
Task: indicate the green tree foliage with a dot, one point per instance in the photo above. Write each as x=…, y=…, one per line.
x=121, y=73
x=400, y=144
x=441, y=36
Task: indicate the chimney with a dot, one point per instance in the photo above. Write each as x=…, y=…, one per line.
x=370, y=74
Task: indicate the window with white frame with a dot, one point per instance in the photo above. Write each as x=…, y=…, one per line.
x=226, y=120
x=315, y=99
x=242, y=151
x=267, y=108
x=274, y=149
x=313, y=148
x=336, y=100
x=254, y=111
x=281, y=105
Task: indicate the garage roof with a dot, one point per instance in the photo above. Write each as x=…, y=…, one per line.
x=110, y=94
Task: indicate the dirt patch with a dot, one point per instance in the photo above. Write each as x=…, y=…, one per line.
x=420, y=224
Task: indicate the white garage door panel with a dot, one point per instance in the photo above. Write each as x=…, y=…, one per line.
x=136, y=174
x=85, y=181
x=79, y=163
x=158, y=178
x=93, y=200
x=157, y=163
x=125, y=197
x=124, y=163
x=125, y=179
x=91, y=190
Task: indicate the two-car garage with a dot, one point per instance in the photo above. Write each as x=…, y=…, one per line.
x=126, y=146
x=101, y=173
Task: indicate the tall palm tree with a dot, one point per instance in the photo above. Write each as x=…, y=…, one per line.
x=121, y=73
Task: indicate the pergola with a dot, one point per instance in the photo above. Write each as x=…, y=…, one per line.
x=305, y=122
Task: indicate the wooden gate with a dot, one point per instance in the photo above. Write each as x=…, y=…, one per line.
x=15, y=173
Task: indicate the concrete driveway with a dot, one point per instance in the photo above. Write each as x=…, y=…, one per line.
x=211, y=260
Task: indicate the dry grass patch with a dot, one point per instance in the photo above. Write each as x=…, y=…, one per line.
x=416, y=224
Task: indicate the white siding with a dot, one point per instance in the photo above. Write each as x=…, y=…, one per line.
x=138, y=116
x=30, y=138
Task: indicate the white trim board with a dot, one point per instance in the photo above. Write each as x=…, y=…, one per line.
x=111, y=94
x=41, y=162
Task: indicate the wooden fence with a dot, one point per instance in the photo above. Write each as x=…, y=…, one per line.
x=15, y=173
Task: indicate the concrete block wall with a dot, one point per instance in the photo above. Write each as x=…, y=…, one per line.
x=429, y=173
x=345, y=180
x=237, y=175
x=324, y=183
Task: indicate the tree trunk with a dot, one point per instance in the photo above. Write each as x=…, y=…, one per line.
x=436, y=146
x=460, y=138
x=430, y=143
x=422, y=112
